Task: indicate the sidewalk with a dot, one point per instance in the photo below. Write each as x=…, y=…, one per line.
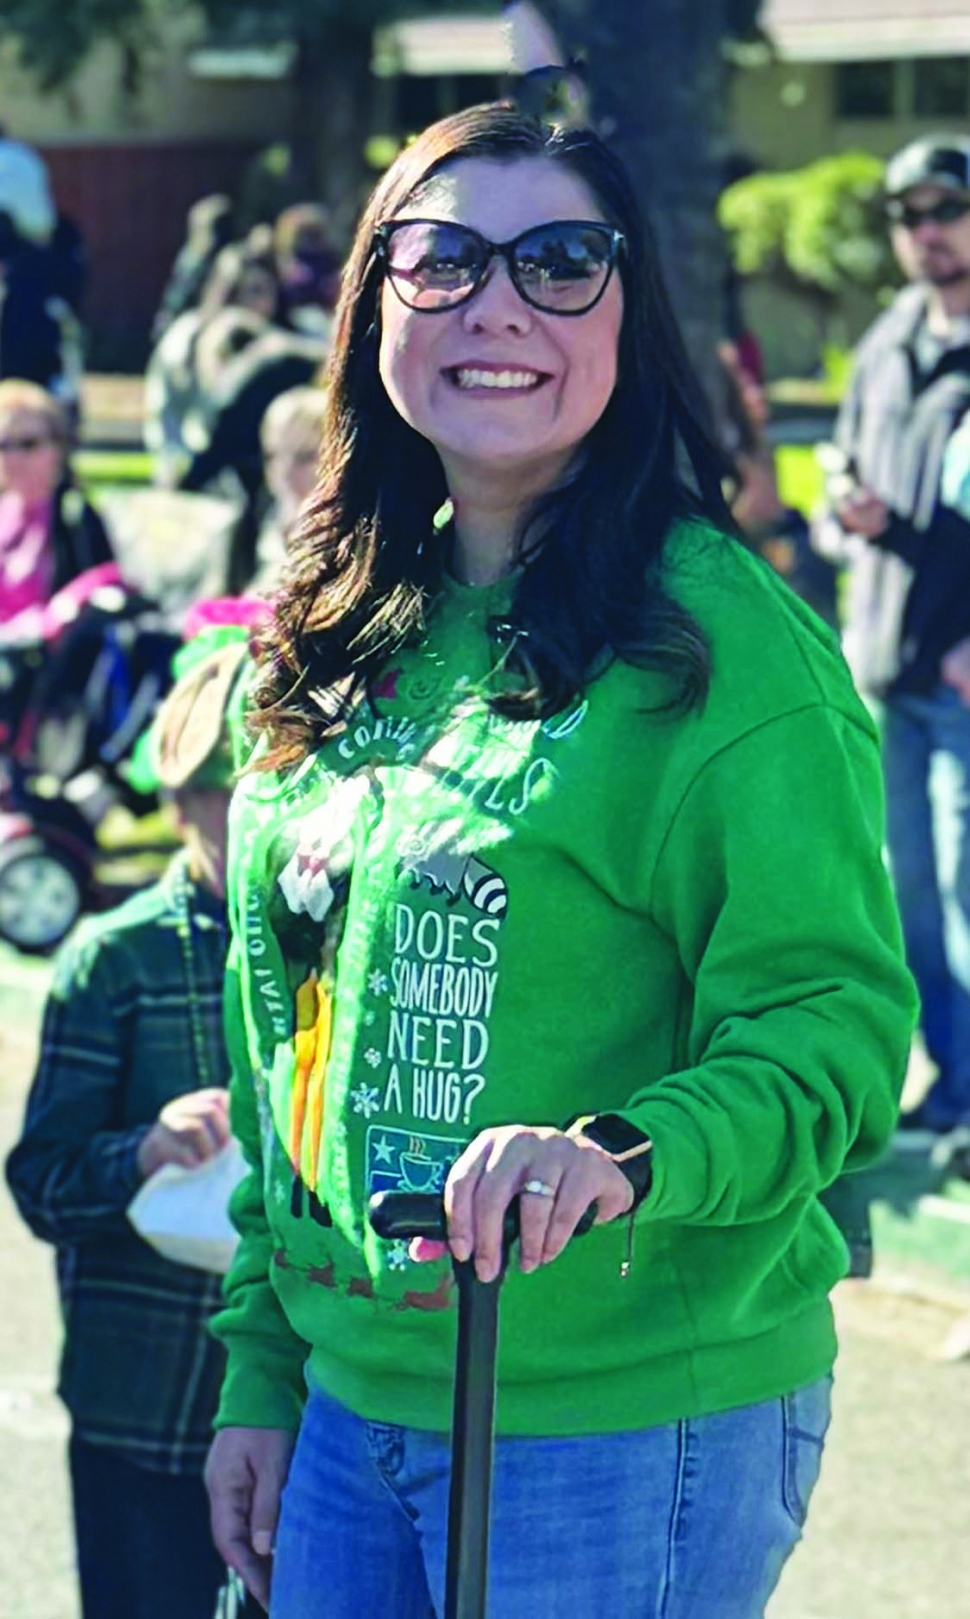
x=920, y=1220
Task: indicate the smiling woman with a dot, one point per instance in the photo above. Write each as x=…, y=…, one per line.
x=405, y=431
x=557, y=878
x=500, y=384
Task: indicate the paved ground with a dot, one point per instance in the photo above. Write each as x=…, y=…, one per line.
x=889, y=1529
x=36, y=1570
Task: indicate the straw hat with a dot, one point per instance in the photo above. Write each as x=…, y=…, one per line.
x=190, y=741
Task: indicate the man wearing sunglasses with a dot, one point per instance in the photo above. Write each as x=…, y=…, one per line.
x=907, y=630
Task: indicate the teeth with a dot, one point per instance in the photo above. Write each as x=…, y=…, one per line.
x=469, y=378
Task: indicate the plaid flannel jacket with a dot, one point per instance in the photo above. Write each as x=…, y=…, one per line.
x=139, y=1370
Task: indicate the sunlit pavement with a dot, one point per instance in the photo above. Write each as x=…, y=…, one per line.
x=887, y=1537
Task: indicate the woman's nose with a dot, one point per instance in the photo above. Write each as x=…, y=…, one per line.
x=497, y=305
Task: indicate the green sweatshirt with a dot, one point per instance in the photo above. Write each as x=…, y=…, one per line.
x=447, y=920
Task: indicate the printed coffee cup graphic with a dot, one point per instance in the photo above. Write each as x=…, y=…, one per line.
x=418, y=1174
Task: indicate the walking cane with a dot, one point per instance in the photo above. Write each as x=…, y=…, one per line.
x=401, y=1216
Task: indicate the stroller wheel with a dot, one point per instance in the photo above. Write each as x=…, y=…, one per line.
x=41, y=894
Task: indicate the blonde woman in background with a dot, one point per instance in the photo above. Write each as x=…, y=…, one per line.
x=48, y=531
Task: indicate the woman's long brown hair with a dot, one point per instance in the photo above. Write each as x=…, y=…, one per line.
x=368, y=561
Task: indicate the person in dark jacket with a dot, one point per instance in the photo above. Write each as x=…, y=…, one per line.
x=131, y=1076
x=209, y=227
x=40, y=338
x=778, y=533
x=893, y=518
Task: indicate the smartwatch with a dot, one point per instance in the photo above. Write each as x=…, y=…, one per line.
x=629, y=1148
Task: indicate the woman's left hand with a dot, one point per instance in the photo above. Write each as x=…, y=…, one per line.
x=502, y=1164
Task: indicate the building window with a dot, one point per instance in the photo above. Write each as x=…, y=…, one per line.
x=941, y=86
x=865, y=89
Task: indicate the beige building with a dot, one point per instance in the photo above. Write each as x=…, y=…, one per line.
x=187, y=94
x=841, y=74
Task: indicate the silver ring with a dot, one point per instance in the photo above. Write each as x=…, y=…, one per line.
x=539, y=1189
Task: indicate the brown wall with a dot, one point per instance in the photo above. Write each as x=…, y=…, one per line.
x=130, y=202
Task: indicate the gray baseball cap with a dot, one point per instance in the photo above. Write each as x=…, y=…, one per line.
x=934, y=160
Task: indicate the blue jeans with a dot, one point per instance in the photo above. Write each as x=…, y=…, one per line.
x=926, y=758
x=692, y=1520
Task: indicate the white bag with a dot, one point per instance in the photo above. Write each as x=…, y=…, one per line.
x=184, y=1213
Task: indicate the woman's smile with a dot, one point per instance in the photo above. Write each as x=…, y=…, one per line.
x=484, y=377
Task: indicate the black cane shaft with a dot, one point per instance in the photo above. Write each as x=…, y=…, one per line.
x=471, y=1445
x=401, y=1216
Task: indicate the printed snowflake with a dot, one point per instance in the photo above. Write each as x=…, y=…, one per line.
x=366, y=1099
x=372, y=1056
x=280, y=1194
x=377, y=983
x=397, y=1258
x=370, y=1017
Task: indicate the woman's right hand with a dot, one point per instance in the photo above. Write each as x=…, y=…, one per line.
x=244, y=1475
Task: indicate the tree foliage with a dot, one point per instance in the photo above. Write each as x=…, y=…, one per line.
x=315, y=19
x=54, y=36
x=820, y=227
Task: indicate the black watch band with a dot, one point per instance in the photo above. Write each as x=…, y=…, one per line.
x=629, y=1148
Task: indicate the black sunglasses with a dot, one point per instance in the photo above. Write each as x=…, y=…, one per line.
x=945, y=212
x=562, y=268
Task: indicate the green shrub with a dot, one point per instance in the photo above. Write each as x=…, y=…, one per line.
x=819, y=229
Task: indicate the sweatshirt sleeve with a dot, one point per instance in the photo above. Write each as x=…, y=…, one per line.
x=264, y=1384
x=73, y=1172
x=772, y=883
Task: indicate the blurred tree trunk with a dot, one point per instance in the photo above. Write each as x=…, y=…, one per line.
x=658, y=81
x=332, y=116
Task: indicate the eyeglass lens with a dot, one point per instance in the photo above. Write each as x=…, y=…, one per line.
x=560, y=267
x=945, y=212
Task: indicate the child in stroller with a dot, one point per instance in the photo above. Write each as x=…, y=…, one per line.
x=79, y=680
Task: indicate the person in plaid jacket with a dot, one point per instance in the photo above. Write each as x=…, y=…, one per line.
x=131, y=1075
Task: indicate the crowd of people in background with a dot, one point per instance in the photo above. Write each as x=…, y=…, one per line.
x=235, y=398
x=244, y=319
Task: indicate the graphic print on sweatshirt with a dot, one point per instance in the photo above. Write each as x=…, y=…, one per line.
x=440, y=984
x=374, y=944
x=316, y=881
x=419, y=1038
